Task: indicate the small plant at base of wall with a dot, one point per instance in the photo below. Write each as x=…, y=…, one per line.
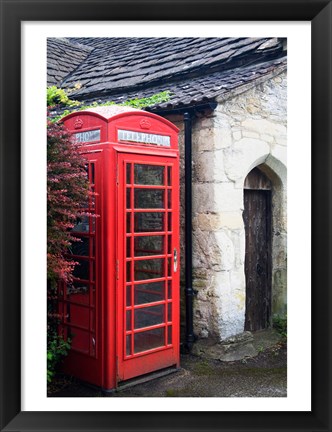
x=280, y=324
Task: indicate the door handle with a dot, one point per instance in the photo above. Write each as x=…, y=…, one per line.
x=175, y=256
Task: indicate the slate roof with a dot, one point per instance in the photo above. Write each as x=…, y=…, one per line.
x=63, y=58
x=194, y=70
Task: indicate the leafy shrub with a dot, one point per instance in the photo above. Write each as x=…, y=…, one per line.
x=57, y=349
x=280, y=324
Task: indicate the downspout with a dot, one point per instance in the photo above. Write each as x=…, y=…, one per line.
x=190, y=337
x=189, y=292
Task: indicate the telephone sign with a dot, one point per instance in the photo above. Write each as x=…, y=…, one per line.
x=87, y=136
x=121, y=311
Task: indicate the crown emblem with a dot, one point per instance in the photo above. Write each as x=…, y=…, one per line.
x=78, y=123
x=145, y=124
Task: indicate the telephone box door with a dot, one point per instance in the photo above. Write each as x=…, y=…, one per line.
x=147, y=264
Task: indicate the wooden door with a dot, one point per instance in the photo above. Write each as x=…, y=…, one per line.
x=257, y=221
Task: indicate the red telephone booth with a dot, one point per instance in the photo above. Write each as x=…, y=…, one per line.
x=122, y=309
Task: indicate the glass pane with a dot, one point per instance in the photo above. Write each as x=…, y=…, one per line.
x=169, y=176
x=169, y=266
x=169, y=221
x=149, y=269
x=81, y=270
x=149, y=198
x=169, y=288
x=128, y=295
x=78, y=292
x=128, y=173
x=169, y=243
x=169, y=335
x=149, y=316
x=128, y=203
x=149, y=175
x=169, y=199
x=169, y=312
x=82, y=224
x=128, y=320
x=92, y=173
x=128, y=345
x=149, y=222
x=149, y=339
x=80, y=247
x=93, y=269
x=128, y=241
x=128, y=222
x=128, y=278
x=152, y=245
x=149, y=293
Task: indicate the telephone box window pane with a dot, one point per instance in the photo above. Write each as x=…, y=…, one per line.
x=169, y=335
x=149, y=269
x=93, y=270
x=169, y=289
x=149, y=339
x=128, y=320
x=169, y=199
x=149, y=198
x=149, y=175
x=128, y=271
x=128, y=345
x=149, y=222
x=169, y=243
x=92, y=179
x=169, y=222
x=128, y=202
x=81, y=270
x=128, y=222
x=169, y=176
x=128, y=173
x=149, y=245
x=169, y=266
x=169, y=312
x=128, y=241
x=82, y=224
x=149, y=293
x=80, y=247
x=128, y=295
x=149, y=316
x=78, y=292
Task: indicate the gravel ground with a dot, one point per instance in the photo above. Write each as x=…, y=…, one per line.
x=264, y=375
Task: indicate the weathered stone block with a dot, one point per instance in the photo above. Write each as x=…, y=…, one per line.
x=263, y=126
x=243, y=155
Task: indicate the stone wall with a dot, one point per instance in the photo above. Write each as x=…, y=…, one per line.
x=243, y=132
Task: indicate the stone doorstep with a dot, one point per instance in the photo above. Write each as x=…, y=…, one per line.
x=237, y=347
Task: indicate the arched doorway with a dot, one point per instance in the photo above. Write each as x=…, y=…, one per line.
x=258, y=262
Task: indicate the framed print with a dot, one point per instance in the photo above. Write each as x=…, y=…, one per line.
x=23, y=237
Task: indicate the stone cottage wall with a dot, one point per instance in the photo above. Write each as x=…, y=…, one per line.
x=243, y=132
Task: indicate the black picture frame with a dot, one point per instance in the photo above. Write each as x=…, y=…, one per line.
x=13, y=12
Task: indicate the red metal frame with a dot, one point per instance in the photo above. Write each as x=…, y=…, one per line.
x=108, y=363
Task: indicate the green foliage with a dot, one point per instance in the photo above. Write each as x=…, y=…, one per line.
x=134, y=103
x=56, y=350
x=57, y=96
x=280, y=324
